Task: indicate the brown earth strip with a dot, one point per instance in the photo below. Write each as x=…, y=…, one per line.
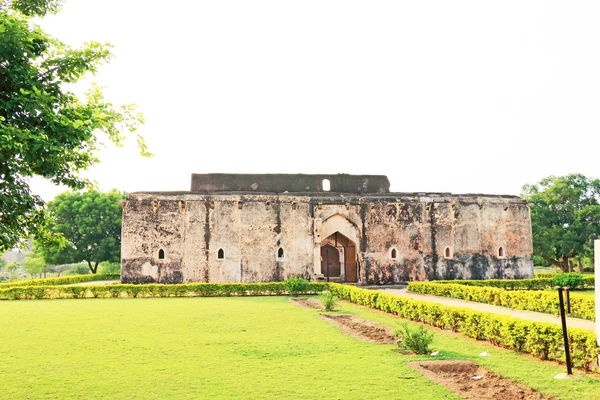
x=471, y=381
x=308, y=303
x=361, y=329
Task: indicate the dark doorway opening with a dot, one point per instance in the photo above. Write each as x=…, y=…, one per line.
x=338, y=259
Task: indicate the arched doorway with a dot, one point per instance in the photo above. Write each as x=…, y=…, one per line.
x=338, y=259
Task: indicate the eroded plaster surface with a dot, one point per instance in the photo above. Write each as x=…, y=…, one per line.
x=252, y=229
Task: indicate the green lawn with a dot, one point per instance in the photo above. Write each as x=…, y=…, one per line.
x=585, y=292
x=223, y=348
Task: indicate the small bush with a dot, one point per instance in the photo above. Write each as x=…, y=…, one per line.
x=63, y=280
x=154, y=290
x=543, y=340
x=531, y=300
x=545, y=275
x=109, y=268
x=295, y=286
x=572, y=281
x=417, y=340
x=329, y=301
x=78, y=269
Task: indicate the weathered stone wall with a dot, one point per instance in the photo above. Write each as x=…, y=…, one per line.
x=289, y=183
x=251, y=228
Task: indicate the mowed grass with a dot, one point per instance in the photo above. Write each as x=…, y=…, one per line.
x=585, y=292
x=250, y=348
x=182, y=348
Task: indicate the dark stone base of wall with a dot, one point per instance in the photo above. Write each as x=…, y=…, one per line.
x=166, y=272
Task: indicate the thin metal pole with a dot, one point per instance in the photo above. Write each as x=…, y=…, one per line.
x=567, y=292
x=563, y=320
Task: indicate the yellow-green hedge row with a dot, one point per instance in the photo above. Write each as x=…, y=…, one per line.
x=517, y=284
x=545, y=275
x=153, y=290
x=63, y=280
x=532, y=300
x=543, y=340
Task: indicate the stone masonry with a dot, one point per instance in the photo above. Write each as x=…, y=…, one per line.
x=348, y=228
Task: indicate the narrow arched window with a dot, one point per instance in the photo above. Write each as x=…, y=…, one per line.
x=501, y=252
x=161, y=254
x=448, y=252
x=220, y=254
x=326, y=185
x=280, y=253
x=394, y=254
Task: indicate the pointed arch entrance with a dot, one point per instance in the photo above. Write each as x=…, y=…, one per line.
x=336, y=238
x=338, y=259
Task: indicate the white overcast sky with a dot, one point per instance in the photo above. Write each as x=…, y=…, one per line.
x=445, y=96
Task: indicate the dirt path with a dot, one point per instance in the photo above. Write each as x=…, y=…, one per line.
x=527, y=315
x=473, y=382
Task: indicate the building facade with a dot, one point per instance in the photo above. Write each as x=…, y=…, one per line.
x=347, y=228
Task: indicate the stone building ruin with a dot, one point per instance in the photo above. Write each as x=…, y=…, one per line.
x=343, y=228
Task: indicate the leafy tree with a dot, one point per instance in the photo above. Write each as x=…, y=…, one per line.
x=34, y=264
x=83, y=227
x=13, y=267
x=565, y=217
x=45, y=130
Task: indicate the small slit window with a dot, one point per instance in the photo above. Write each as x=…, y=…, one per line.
x=220, y=254
x=161, y=254
x=326, y=185
x=501, y=252
x=280, y=253
x=394, y=254
x=448, y=252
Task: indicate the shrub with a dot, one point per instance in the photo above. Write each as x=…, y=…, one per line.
x=295, y=286
x=154, y=290
x=78, y=269
x=540, y=283
x=63, y=280
x=329, y=301
x=569, y=280
x=544, y=340
x=545, y=275
x=109, y=268
x=532, y=300
x=417, y=340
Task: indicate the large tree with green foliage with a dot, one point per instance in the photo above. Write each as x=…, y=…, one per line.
x=565, y=217
x=83, y=227
x=45, y=129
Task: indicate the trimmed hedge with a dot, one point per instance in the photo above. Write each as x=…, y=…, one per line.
x=517, y=284
x=532, y=300
x=543, y=340
x=153, y=290
x=63, y=280
x=544, y=275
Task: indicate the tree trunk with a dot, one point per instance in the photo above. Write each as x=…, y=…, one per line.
x=554, y=262
x=94, y=268
x=579, y=265
x=565, y=265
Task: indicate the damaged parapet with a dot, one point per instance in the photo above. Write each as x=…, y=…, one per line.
x=291, y=183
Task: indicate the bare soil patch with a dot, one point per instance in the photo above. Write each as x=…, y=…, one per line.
x=308, y=303
x=361, y=329
x=471, y=381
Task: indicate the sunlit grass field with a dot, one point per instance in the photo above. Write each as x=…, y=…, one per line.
x=225, y=348
x=585, y=292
